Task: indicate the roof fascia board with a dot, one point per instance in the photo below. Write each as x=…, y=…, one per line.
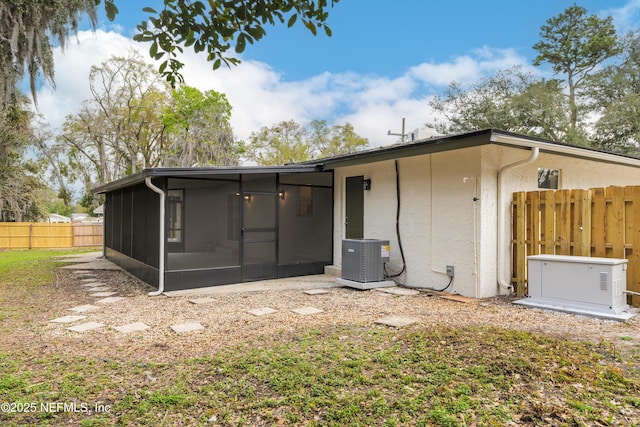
x=409, y=150
x=566, y=150
x=139, y=177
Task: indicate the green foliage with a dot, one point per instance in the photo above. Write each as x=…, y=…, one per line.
x=23, y=194
x=575, y=43
x=198, y=129
x=511, y=100
x=26, y=26
x=290, y=142
x=220, y=26
x=615, y=97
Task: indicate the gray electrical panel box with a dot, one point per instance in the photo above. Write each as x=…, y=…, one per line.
x=363, y=259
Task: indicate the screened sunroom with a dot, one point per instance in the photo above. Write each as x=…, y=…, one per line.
x=220, y=225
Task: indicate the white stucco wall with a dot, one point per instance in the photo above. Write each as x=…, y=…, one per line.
x=575, y=173
x=438, y=210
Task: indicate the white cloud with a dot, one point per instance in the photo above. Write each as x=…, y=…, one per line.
x=625, y=18
x=260, y=96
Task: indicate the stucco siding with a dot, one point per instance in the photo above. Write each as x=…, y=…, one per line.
x=436, y=216
x=438, y=211
x=575, y=173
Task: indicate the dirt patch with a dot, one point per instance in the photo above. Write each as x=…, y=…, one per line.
x=227, y=321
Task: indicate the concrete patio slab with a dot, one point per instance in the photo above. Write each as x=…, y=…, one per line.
x=84, y=308
x=205, y=300
x=84, y=327
x=131, y=327
x=399, y=291
x=103, y=294
x=304, y=282
x=396, y=321
x=109, y=300
x=262, y=311
x=316, y=291
x=68, y=319
x=307, y=311
x=187, y=327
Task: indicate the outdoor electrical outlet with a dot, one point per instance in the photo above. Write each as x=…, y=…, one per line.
x=449, y=270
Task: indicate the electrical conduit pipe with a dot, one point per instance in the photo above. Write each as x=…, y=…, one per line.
x=155, y=189
x=535, y=151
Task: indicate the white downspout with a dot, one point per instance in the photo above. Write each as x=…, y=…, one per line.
x=535, y=151
x=160, y=290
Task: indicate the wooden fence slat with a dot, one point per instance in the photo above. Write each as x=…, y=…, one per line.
x=547, y=203
x=633, y=269
x=585, y=219
x=533, y=226
x=598, y=223
x=520, y=242
x=615, y=221
x=563, y=222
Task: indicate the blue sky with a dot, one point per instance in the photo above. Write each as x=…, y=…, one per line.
x=384, y=61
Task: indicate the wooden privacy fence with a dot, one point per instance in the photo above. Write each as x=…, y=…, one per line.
x=599, y=222
x=43, y=235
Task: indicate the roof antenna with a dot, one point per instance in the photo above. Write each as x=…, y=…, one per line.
x=401, y=135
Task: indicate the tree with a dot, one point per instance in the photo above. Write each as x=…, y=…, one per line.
x=290, y=142
x=22, y=192
x=119, y=130
x=511, y=100
x=615, y=99
x=575, y=44
x=198, y=130
x=213, y=26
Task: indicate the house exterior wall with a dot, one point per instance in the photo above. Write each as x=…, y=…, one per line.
x=438, y=212
x=575, y=173
x=436, y=215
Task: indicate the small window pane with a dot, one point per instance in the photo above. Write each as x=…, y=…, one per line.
x=548, y=178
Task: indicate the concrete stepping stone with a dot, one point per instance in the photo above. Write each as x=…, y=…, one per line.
x=399, y=291
x=84, y=327
x=68, y=319
x=316, y=291
x=103, y=294
x=89, y=279
x=187, y=327
x=79, y=272
x=83, y=308
x=109, y=300
x=204, y=300
x=131, y=327
x=307, y=311
x=262, y=311
x=99, y=289
x=94, y=284
x=396, y=321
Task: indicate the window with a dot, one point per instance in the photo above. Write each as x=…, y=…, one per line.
x=548, y=178
x=176, y=206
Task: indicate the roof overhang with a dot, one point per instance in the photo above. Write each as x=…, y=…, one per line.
x=203, y=173
x=474, y=139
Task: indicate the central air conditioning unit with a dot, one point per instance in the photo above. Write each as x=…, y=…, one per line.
x=582, y=285
x=363, y=263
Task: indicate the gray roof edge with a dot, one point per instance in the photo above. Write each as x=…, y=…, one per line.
x=139, y=177
x=472, y=139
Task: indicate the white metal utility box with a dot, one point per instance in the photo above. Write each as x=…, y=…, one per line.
x=575, y=284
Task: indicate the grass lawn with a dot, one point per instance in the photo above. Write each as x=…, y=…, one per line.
x=340, y=375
